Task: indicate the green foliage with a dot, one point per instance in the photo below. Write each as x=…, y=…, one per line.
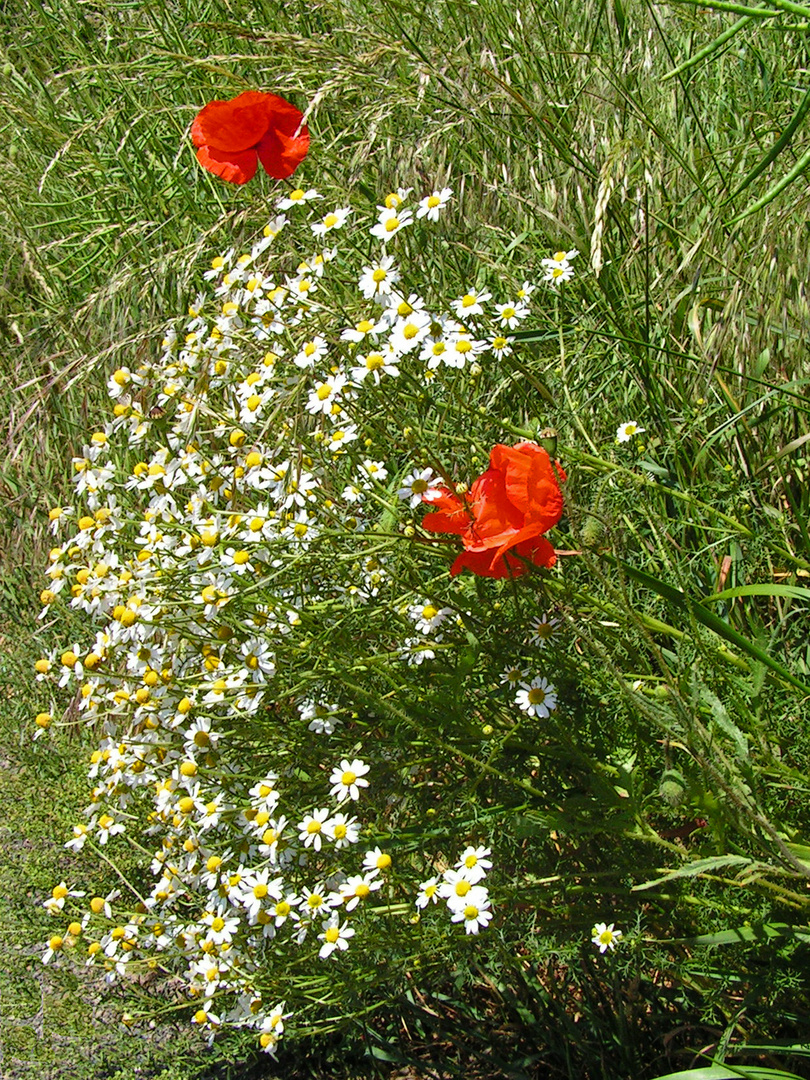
x=664, y=143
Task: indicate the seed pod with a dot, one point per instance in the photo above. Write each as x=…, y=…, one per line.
x=591, y=531
x=672, y=788
x=548, y=440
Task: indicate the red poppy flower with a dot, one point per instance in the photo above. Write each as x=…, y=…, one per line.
x=232, y=137
x=505, y=513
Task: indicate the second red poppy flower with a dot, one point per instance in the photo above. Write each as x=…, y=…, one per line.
x=232, y=137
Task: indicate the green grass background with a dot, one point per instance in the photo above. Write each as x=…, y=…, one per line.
x=697, y=326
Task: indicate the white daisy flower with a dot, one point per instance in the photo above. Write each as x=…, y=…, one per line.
x=334, y=937
x=627, y=430
x=418, y=485
x=427, y=617
x=297, y=198
x=335, y=219
x=347, y=778
x=432, y=205
x=311, y=828
x=379, y=278
x=428, y=893
x=474, y=863
x=541, y=629
x=558, y=268
x=391, y=221
x=605, y=937
x=537, y=698
x=474, y=916
x=471, y=303
x=510, y=315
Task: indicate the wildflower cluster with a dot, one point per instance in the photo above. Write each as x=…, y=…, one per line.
x=234, y=542
x=462, y=888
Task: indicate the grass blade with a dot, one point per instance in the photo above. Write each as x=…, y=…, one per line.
x=796, y=592
x=712, y=622
x=777, y=188
x=781, y=143
x=693, y=869
x=708, y=50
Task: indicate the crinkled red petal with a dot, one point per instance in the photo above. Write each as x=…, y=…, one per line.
x=235, y=125
x=235, y=168
x=479, y=562
x=281, y=153
x=495, y=519
x=531, y=485
x=493, y=565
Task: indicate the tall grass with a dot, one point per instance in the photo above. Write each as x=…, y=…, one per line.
x=641, y=135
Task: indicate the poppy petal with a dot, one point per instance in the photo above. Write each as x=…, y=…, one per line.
x=451, y=517
x=234, y=125
x=235, y=168
x=444, y=499
x=488, y=564
x=446, y=523
x=538, y=551
x=494, y=565
x=531, y=484
x=480, y=563
x=496, y=519
x=280, y=153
